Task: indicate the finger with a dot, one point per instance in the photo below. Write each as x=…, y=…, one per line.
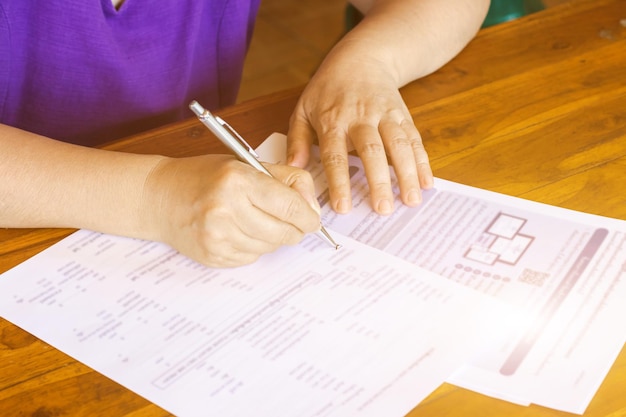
x=240, y=237
x=398, y=143
x=283, y=206
x=228, y=257
x=266, y=233
x=369, y=146
x=300, y=137
x=424, y=170
x=299, y=180
x=226, y=242
x=334, y=158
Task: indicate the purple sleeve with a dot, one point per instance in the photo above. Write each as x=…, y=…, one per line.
x=86, y=73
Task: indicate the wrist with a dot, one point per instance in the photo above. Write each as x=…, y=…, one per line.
x=152, y=209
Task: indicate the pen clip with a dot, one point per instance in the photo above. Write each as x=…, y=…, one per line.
x=225, y=125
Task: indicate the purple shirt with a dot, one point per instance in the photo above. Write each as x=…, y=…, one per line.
x=83, y=72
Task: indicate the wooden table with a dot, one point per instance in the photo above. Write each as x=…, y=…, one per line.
x=534, y=108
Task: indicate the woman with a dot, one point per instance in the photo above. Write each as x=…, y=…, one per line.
x=76, y=75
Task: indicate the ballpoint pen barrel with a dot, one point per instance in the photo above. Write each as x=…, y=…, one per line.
x=226, y=137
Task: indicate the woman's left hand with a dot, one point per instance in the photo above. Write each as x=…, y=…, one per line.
x=358, y=103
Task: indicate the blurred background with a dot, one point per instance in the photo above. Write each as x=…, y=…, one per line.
x=292, y=37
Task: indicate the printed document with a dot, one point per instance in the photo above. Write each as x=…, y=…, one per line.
x=305, y=331
x=565, y=270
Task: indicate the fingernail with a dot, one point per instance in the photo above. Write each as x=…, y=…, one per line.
x=385, y=207
x=343, y=205
x=414, y=197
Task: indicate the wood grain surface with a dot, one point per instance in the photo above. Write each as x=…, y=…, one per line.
x=534, y=108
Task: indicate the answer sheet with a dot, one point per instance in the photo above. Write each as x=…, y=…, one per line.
x=305, y=331
x=565, y=270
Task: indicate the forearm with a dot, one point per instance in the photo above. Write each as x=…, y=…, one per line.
x=46, y=183
x=412, y=37
x=212, y=208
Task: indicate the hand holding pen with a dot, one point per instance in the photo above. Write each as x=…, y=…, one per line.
x=224, y=213
x=244, y=152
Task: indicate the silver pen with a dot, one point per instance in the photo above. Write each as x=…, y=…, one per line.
x=229, y=137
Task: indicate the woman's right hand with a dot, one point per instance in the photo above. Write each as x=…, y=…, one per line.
x=224, y=213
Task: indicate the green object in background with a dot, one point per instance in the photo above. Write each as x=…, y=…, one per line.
x=499, y=11
x=504, y=10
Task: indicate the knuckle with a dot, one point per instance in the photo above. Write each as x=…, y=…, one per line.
x=407, y=123
x=300, y=176
x=420, y=152
x=399, y=141
x=371, y=149
x=417, y=145
x=330, y=129
x=292, y=208
x=232, y=173
x=333, y=159
x=243, y=259
x=212, y=256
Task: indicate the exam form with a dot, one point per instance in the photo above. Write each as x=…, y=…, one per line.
x=566, y=270
x=305, y=331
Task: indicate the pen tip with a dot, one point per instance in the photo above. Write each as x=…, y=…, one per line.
x=325, y=236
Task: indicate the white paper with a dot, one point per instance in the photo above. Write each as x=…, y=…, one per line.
x=566, y=270
x=305, y=331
